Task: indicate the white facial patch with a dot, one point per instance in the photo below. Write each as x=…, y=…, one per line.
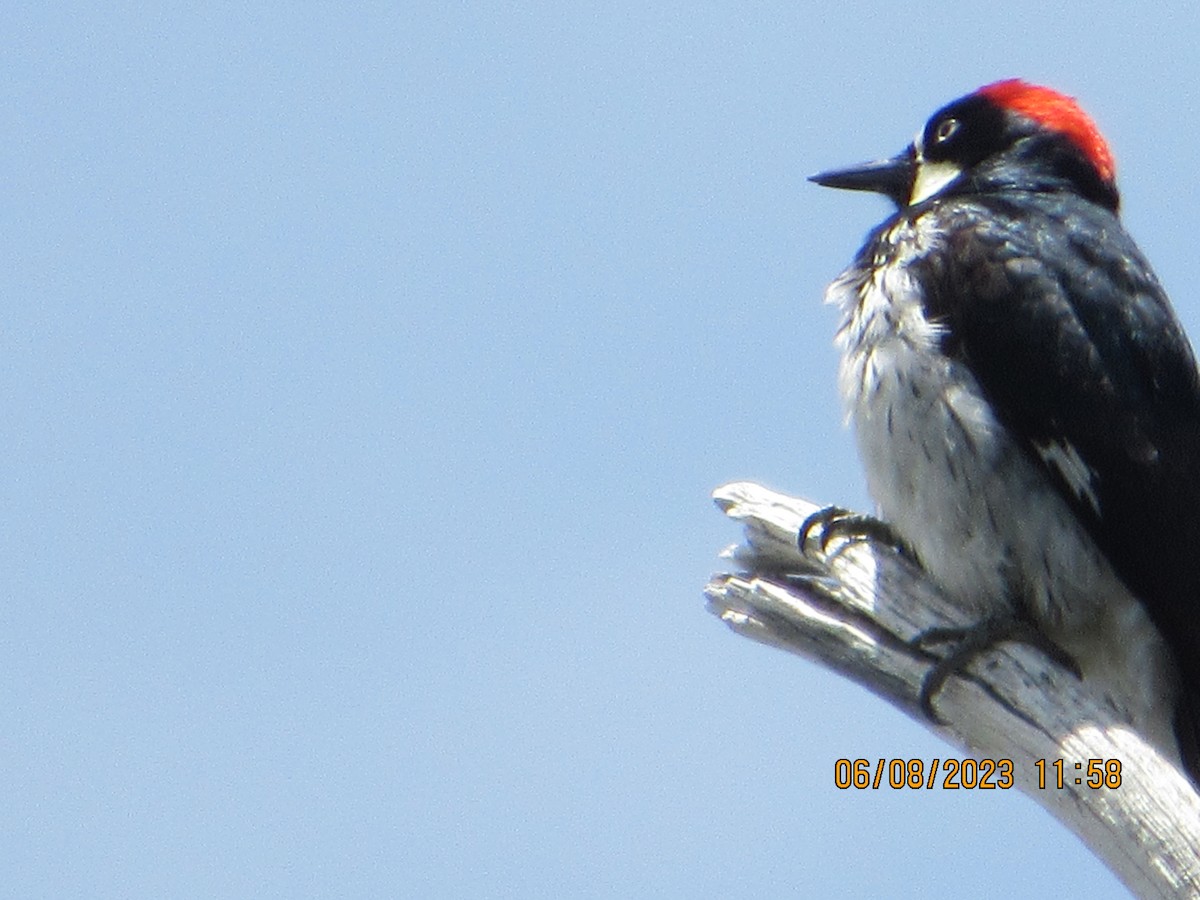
x=932, y=178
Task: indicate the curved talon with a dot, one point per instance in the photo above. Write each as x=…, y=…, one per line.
x=930, y=685
x=823, y=517
x=837, y=521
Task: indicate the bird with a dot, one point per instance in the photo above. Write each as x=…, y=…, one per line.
x=1025, y=402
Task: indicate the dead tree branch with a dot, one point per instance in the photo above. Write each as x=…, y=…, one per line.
x=855, y=604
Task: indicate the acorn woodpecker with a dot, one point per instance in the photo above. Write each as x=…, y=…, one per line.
x=1026, y=404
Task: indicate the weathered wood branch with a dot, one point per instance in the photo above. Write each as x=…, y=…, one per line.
x=855, y=604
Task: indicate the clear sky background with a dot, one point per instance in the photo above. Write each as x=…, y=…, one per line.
x=366, y=370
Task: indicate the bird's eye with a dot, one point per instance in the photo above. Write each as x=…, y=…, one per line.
x=946, y=129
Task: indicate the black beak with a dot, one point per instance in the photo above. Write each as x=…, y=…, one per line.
x=890, y=177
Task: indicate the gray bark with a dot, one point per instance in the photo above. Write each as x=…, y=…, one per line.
x=855, y=604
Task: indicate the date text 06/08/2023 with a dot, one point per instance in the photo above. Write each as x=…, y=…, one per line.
x=971, y=774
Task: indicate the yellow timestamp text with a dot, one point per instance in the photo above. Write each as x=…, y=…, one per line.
x=971, y=774
x=1092, y=773
x=947, y=774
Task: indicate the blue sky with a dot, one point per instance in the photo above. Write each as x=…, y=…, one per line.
x=367, y=369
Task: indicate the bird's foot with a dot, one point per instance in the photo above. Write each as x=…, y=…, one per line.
x=831, y=522
x=972, y=641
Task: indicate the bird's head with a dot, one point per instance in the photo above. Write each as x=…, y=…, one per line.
x=1010, y=135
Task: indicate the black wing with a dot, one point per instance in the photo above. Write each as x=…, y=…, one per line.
x=1074, y=342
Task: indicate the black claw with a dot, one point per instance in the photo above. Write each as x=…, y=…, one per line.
x=931, y=685
x=822, y=518
x=836, y=521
